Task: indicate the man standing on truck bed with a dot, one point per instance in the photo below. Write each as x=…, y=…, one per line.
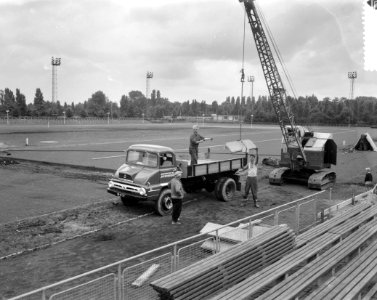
x=195, y=139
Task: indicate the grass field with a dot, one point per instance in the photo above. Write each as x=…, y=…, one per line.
x=36, y=189
x=102, y=145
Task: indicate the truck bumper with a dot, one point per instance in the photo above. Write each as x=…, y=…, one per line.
x=126, y=190
x=121, y=193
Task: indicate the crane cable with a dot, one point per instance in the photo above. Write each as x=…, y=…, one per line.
x=280, y=58
x=278, y=54
x=242, y=70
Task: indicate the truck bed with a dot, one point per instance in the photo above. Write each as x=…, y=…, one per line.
x=210, y=166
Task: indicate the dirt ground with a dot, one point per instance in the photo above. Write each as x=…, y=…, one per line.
x=37, y=251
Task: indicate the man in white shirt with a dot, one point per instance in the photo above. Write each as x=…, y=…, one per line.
x=252, y=179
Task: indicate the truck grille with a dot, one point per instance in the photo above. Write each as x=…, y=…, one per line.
x=125, y=176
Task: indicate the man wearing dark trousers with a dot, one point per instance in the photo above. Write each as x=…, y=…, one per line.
x=252, y=179
x=177, y=194
x=195, y=139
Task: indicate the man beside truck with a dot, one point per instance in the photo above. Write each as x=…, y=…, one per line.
x=177, y=193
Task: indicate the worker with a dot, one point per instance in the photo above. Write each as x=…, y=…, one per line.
x=177, y=193
x=251, y=179
x=195, y=140
x=368, y=181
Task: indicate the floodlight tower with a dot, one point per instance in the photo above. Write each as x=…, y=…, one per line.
x=251, y=80
x=147, y=92
x=55, y=62
x=352, y=76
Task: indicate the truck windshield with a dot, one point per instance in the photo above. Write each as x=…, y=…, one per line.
x=143, y=158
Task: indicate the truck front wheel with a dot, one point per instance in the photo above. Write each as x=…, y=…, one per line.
x=164, y=204
x=225, y=189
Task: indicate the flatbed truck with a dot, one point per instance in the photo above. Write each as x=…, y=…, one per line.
x=149, y=168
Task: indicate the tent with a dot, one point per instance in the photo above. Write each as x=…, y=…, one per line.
x=365, y=143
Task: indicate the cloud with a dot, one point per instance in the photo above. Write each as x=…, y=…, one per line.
x=193, y=47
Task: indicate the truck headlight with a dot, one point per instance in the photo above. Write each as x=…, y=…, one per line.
x=142, y=191
x=110, y=184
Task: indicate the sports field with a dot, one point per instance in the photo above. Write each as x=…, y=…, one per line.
x=54, y=193
x=103, y=145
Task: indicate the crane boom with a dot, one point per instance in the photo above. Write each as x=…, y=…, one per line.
x=304, y=154
x=274, y=83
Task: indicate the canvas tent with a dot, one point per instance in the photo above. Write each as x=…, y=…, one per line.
x=365, y=143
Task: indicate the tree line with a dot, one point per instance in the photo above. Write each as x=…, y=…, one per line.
x=307, y=110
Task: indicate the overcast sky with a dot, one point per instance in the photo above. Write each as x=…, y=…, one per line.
x=193, y=47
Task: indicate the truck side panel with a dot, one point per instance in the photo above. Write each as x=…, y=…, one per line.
x=216, y=167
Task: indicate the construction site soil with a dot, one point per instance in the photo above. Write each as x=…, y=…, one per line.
x=78, y=227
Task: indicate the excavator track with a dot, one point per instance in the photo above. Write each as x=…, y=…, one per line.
x=276, y=176
x=321, y=180
x=316, y=180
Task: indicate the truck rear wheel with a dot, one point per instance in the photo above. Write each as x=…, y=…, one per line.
x=164, y=204
x=225, y=189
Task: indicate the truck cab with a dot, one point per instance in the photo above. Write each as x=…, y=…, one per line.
x=147, y=170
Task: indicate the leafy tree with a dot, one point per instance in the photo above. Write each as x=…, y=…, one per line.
x=214, y=107
x=9, y=103
x=39, y=103
x=97, y=105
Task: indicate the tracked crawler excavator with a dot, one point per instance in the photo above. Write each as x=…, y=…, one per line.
x=304, y=154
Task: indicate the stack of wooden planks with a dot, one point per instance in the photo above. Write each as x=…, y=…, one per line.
x=222, y=270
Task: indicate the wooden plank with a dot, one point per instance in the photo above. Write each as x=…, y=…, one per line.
x=268, y=275
x=292, y=286
x=249, y=257
x=363, y=276
x=221, y=283
x=355, y=221
x=222, y=256
x=371, y=293
x=215, y=258
x=225, y=266
x=327, y=225
x=145, y=276
x=238, y=271
x=350, y=280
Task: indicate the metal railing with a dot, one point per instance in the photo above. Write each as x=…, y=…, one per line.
x=130, y=278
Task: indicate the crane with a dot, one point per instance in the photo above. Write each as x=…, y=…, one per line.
x=304, y=154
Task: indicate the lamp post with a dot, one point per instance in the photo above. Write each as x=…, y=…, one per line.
x=352, y=76
x=64, y=117
x=55, y=62
x=108, y=118
x=147, y=92
x=7, y=111
x=143, y=117
x=251, y=80
x=203, y=119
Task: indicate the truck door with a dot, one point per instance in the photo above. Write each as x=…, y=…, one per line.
x=167, y=166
